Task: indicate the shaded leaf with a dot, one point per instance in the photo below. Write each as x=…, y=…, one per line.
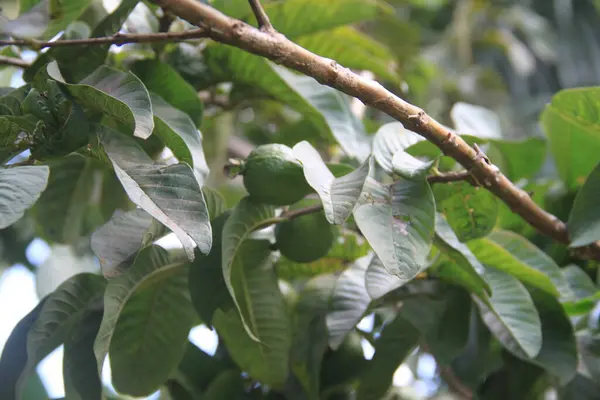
x=511, y=314
x=117, y=94
x=170, y=194
x=20, y=188
x=226, y=385
x=584, y=220
x=339, y=195
x=166, y=82
x=398, y=222
x=147, y=318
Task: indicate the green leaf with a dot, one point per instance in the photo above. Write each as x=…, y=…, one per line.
x=178, y=132
x=329, y=108
x=511, y=314
x=353, y=49
x=20, y=188
x=580, y=283
x=571, y=123
x=398, y=222
x=558, y=354
x=119, y=239
x=147, y=318
x=379, y=281
x=81, y=195
x=207, y=287
x=215, y=202
x=410, y=167
x=459, y=265
x=584, y=220
x=310, y=332
x=349, y=302
x=197, y=369
x=51, y=323
x=470, y=211
x=82, y=381
x=166, y=82
x=339, y=195
x=120, y=95
x=389, y=140
x=266, y=361
x=513, y=254
x=396, y=342
x=521, y=159
x=245, y=218
x=13, y=132
x=170, y=194
x=227, y=385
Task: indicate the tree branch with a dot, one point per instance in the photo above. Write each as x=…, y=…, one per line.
x=117, y=39
x=278, y=48
x=446, y=177
x=261, y=16
x=16, y=62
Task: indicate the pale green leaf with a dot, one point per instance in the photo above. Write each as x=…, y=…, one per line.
x=339, y=195
x=170, y=194
x=147, y=318
x=390, y=139
x=20, y=188
x=245, y=218
x=398, y=222
x=511, y=314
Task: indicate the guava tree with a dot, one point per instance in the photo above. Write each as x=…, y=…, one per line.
x=316, y=195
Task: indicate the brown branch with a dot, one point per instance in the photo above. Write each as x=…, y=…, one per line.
x=15, y=62
x=261, y=16
x=117, y=39
x=447, y=373
x=278, y=48
x=447, y=177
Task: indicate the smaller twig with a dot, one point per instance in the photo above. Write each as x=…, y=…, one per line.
x=117, y=39
x=447, y=177
x=290, y=215
x=447, y=373
x=261, y=16
x=16, y=62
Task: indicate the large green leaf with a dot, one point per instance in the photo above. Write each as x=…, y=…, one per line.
x=398, y=222
x=379, y=281
x=471, y=211
x=266, y=361
x=558, y=354
x=119, y=239
x=513, y=254
x=147, y=318
x=197, y=369
x=511, y=314
x=310, y=333
x=82, y=381
x=208, y=290
x=20, y=188
x=339, y=195
x=584, y=220
x=397, y=340
x=47, y=327
x=349, y=302
x=227, y=385
x=81, y=195
x=390, y=139
x=120, y=95
x=571, y=124
x=459, y=264
x=246, y=217
x=166, y=82
x=178, y=132
x=170, y=194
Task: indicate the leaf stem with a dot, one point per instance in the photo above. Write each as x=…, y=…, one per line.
x=15, y=62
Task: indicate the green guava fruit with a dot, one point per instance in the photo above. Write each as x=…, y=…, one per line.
x=306, y=238
x=272, y=175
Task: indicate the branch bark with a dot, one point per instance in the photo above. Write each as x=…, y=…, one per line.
x=261, y=16
x=278, y=48
x=118, y=39
x=15, y=62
